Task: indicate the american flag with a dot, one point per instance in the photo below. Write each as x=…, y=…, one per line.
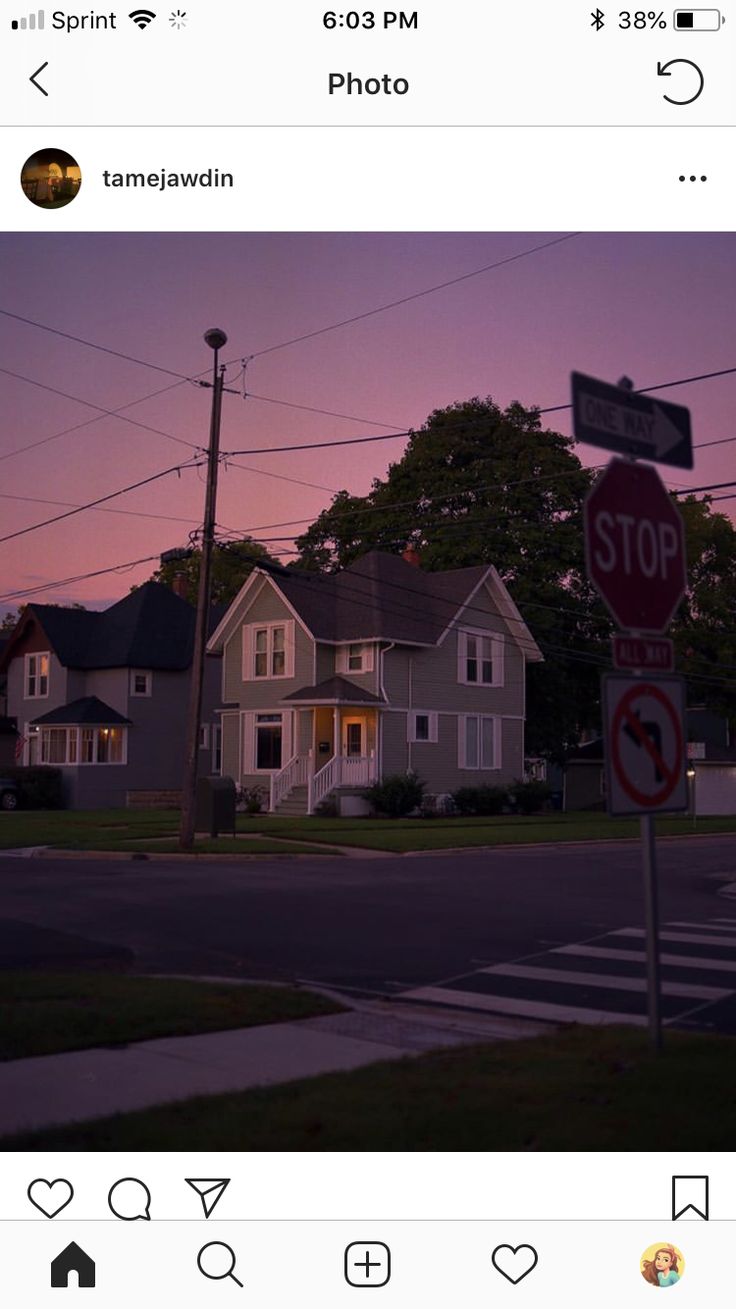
x=20, y=746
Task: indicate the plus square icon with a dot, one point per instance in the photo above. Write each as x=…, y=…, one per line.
x=367, y=1263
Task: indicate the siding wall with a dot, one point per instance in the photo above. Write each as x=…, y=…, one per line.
x=268, y=607
x=436, y=763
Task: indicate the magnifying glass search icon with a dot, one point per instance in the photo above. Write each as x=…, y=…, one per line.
x=216, y=1260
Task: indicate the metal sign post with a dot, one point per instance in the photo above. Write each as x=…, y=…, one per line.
x=635, y=556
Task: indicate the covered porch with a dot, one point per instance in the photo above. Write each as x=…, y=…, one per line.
x=336, y=730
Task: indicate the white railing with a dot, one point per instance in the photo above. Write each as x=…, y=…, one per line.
x=324, y=781
x=341, y=770
x=295, y=773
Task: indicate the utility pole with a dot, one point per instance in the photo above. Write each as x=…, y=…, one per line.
x=215, y=339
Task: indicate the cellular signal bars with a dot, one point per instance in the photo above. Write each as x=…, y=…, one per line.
x=33, y=23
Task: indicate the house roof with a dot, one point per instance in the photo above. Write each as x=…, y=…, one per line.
x=334, y=690
x=150, y=628
x=381, y=597
x=89, y=711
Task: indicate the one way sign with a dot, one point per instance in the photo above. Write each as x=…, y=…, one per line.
x=629, y=423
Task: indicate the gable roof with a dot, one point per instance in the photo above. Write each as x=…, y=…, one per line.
x=149, y=628
x=379, y=597
x=85, y=712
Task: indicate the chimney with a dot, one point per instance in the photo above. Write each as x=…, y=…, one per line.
x=180, y=586
x=412, y=556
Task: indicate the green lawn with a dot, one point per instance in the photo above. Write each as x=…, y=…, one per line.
x=45, y=1013
x=583, y=1089
x=154, y=830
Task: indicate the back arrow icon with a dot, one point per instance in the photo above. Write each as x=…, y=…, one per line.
x=33, y=77
x=663, y=71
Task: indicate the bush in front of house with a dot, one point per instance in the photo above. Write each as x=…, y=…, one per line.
x=251, y=799
x=396, y=796
x=480, y=801
x=530, y=797
x=38, y=788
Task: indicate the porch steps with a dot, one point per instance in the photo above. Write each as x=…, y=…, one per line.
x=295, y=804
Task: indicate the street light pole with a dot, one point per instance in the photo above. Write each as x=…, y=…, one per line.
x=215, y=339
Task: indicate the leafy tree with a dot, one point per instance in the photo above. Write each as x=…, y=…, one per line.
x=232, y=563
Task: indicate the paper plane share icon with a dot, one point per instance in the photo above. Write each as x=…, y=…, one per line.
x=209, y=1189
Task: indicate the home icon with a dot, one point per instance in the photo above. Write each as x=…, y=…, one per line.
x=73, y=1260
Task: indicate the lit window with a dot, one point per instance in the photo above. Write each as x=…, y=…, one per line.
x=37, y=676
x=109, y=745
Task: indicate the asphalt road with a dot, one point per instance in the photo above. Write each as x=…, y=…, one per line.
x=376, y=925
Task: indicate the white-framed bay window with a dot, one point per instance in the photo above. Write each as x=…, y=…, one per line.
x=268, y=651
x=478, y=741
x=268, y=736
x=357, y=657
x=36, y=680
x=479, y=658
x=83, y=745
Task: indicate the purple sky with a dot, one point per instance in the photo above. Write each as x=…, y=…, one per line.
x=656, y=307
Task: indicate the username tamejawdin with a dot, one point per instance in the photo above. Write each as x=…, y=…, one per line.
x=212, y=177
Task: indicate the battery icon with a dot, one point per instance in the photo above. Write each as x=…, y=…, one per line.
x=698, y=20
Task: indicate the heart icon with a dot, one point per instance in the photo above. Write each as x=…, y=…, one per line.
x=514, y=1262
x=50, y=1197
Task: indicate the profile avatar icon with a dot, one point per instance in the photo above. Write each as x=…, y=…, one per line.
x=662, y=1265
x=51, y=179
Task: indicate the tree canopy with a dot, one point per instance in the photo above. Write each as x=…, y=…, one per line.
x=481, y=484
x=232, y=563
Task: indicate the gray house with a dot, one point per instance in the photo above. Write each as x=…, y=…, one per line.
x=104, y=696
x=331, y=682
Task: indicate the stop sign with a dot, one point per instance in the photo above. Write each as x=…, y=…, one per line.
x=635, y=546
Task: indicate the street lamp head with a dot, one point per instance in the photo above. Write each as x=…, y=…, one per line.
x=215, y=338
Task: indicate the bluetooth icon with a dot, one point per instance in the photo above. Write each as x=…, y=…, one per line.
x=598, y=19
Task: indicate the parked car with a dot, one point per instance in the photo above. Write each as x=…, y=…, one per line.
x=9, y=794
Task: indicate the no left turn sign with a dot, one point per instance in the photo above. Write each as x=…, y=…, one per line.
x=645, y=749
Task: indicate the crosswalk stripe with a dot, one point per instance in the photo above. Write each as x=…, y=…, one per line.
x=638, y=956
x=705, y=927
x=683, y=938
x=519, y=1008
x=607, y=981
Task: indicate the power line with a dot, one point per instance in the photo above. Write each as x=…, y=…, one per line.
x=416, y=295
x=93, y=504
x=88, y=404
x=311, y=409
x=69, y=504
x=93, y=345
x=80, y=577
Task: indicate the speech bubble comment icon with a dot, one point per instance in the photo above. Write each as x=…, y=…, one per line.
x=130, y=1199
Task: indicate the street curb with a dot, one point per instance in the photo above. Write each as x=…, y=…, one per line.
x=124, y=856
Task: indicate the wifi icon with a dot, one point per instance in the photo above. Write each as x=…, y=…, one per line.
x=142, y=17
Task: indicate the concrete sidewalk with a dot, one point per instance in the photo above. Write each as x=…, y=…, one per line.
x=86, y=1084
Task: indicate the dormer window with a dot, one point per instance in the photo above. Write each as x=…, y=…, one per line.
x=37, y=676
x=355, y=658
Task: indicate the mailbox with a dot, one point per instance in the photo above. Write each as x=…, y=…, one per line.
x=215, y=809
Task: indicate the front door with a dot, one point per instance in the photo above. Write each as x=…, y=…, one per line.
x=353, y=737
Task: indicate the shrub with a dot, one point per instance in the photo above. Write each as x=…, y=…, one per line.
x=480, y=801
x=39, y=788
x=530, y=797
x=328, y=808
x=251, y=799
x=396, y=796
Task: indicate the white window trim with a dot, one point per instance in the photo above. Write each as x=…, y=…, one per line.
x=433, y=717
x=36, y=654
x=249, y=650
x=287, y=736
x=79, y=762
x=216, y=737
x=480, y=767
x=141, y=672
x=342, y=660
x=497, y=657
x=204, y=736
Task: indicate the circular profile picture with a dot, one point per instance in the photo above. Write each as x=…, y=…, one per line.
x=51, y=178
x=662, y=1265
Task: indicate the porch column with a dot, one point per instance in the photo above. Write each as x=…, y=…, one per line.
x=335, y=739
